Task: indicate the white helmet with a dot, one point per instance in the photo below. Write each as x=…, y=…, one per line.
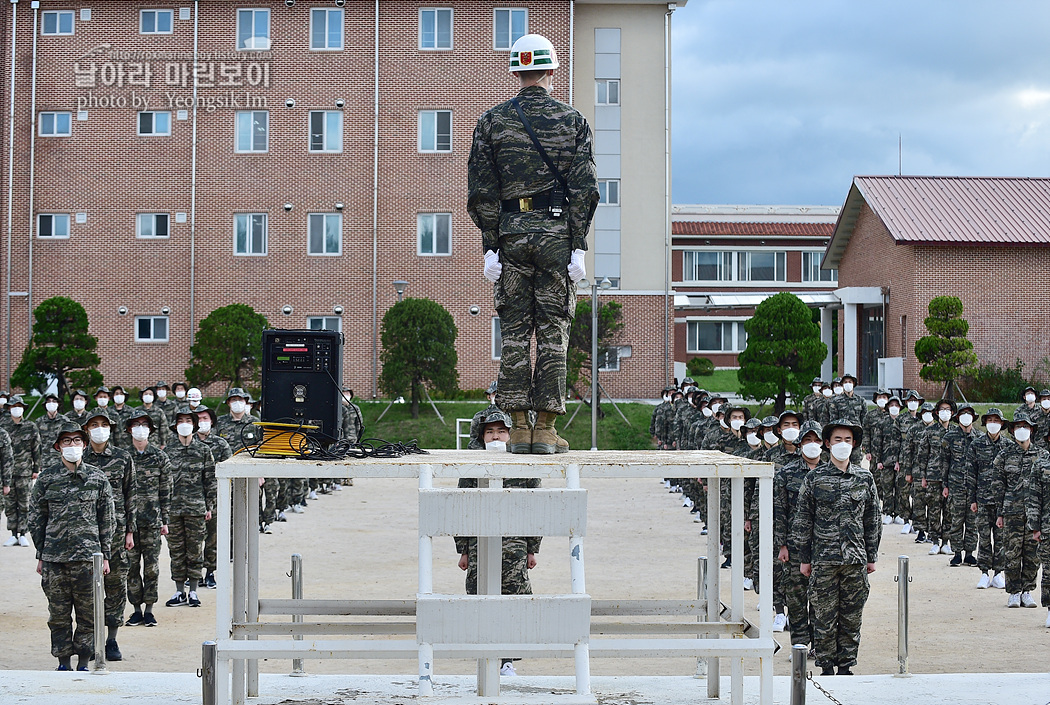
x=533, y=52
x=194, y=395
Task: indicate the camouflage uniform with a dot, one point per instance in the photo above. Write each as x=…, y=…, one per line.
x=514, y=578
x=1014, y=467
x=1039, y=419
x=733, y=445
x=193, y=494
x=7, y=462
x=119, y=418
x=220, y=450
x=152, y=505
x=71, y=518
x=664, y=425
x=657, y=411
x=353, y=427
x=955, y=443
x=787, y=480
x=49, y=429
x=981, y=490
x=116, y=465
x=884, y=444
x=809, y=406
x=837, y=530
x=930, y=508
x=534, y=294
x=910, y=427
x=1038, y=511
x=25, y=445
x=476, y=423
x=161, y=422
x=849, y=408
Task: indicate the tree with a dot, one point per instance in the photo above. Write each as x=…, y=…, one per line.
x=419, y=348
x=61, y=349
x=783, y=351
x=228, y=347
x=946, y=354
x=578, y=358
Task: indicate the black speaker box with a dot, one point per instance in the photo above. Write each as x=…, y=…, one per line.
x=302, y=374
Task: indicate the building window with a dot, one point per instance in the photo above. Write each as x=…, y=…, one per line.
x=56, y=124
x=253, y=30
x=508, y=26
x=326, y=131
x=497, y=339
x=435, y=233
x=326, y=29
x=53, y=225
x=155, y=123
x=712, y=336
x=151, y=225
x=761, y=266
x=57, y=22
x=249, y=234
x=608, y=91
x=151, y=329
x=325, y=323
x=435, y=130
x=609, y=192
x=811, y=271
x=435, y=28
x=326, y=234
x=155, y=21
x=609, y=359
x=252, y=131
x=707, y=266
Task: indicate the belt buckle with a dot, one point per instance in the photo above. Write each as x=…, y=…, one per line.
x=525, y=204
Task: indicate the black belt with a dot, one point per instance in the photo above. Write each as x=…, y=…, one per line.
x=536, y=202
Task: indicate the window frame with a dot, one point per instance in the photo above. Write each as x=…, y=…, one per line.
x=157, y=12
x=154, y=215
x=603, y=200
x=54, y=114
x=420, y=217
x=154, y=113
x=815, y=256
x=744, y=261
x=309, y=234
x=597, y=91
x=324, y=319
x=236, y=127
x=726, y=268
x=451, y=28
x=327, y=27
x=69, y=223
x=58, y=23
x=437, y=134
x=251, y=233
x=497, y=337
x=324, y=131
x=603, y=358
x=237, y=29
x=510, y=26
x=153, y=339
x=737, y=324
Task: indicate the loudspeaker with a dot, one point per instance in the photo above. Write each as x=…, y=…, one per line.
x=301, y=380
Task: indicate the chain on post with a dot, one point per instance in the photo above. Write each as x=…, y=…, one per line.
x=818, y=686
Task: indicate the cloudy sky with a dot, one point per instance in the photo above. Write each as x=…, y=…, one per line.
x=783, y=101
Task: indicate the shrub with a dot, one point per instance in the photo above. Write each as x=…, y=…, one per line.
x=700, y=367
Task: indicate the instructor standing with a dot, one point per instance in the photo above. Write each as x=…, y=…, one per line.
x=532, y=190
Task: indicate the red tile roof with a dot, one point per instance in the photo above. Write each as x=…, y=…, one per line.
x=685, y=227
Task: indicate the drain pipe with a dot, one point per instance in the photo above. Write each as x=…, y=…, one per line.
x=671, y=7
x=10, y=178
x=193, y=181
x=375, y=217
x=32, y=173
x=572, y=46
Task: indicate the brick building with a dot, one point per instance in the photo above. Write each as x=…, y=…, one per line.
x=313, y=154
x=902, y=240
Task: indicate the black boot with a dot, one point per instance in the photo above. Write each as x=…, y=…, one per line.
x=969, y=559
x=956, y=560
x=921, y=537
x=827, y=671
x=113, y=651
x=844, y=671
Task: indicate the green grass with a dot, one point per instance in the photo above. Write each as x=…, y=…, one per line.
x=724, y=381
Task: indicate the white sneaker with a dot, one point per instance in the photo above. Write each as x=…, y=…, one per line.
x=749, y=584
x=887, y=519
x=686, y=502
x=667, y=484
x=1014, y=600
x=312, y=495
x=934, y=550
x=779, y=622
x=298, y=508
x=984, y=582
x=703, y=531
x=898, y=520
x=13, y=541
x=1026, y=600
x=906, y=529
x=999, y=581
x=508, y=669
x=23, y=541
x=1048, y=619
x=946, y=549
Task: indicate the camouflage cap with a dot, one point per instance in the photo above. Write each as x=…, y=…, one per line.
x=836, y=380
x=161, y=384
x=5, y=393
x=494, y=417
x=1044, y=393
x=810, y=426
x=236, y=392
x=963, y=407
x=183, y=410
x=688, y=381
x=753, y=423
x=97, y=413
x=816, y=380
x=69, y=428
x=492, y=388
x=116, y=387
x=102, y=390
x=348, y=394
x=52, y=395
x=949, y=402
x=1021, y=417
x=849, y=376
x=205, y=409
x=135, y=417
x=912, y=394
x=179, y=384
x=858, y=432
x=895, y=398
x=992, y=411
x=80, y=393
x=880, y=392
x=927, y=406
x=1027, y=389
x=16, y=399
x=151, y=390
x=736, y=407
x=789, y=412
x=770, y=422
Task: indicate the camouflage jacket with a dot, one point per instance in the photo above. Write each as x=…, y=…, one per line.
x=733, y=445
x=980, y=470
x=119, y=437
x=1040, y=418
x=663, y=416
x=787, y=481
x=930, y=454
x=853, y=408
x=352, y=425
x=910, y=447
x=168, y=406
x=683, y=425
x=532, y=543
x=48, y=429
x=79, y=419
x=780, y=456
x=837, y=520
x=161, y=432
x=7, y=459
x=152, y=486
x=116, y=465
x=473, y=442
x=1014, y=468
x=954, y=445
x=1038, y=506
x=699, y=430
x=25, y=447
x=715, y=437
x=71, y=514
x=239, y=434
x=823, y=409
x=809, y=407
x=193, y=484
x=220, y=449
x=504, y=165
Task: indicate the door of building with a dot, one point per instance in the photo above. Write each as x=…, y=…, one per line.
x=871, y=343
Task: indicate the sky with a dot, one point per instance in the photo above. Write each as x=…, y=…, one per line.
x=783, y=102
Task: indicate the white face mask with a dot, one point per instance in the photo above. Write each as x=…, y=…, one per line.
x=140, y=433
x=180, y=394
x=965, y=419
x=100, y=434
x=3, y=400
x=162, y=393
x=841, y=451
x=248, y=408
x=498, y=446
x=816, y=390
x=1045, y=403
x=102, y=402
x=736, y=424
x=73, y=453
x=826, y=392
x=895, y=410
x=722, y=423
x=706, y=411
x=881, y=402
x=237, y=407
x=17, y=411
x=1029, y=397
x=118, y=399
x=79, y=404
x=752, y=439
x=913, y=405
x=944, y=414
x=715, y=407
x=789, y=434
x=994, y=428
x=769, y=437
x=837, y=390
x=1022, y=434
x=51, y=407
x=204, y=426
x=184, y=429
x=811, y=450
x=147, y=398
x=847, y=386
x=927, y=417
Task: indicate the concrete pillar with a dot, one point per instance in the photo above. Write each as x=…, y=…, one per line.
x=849, y=362
x=826, y=372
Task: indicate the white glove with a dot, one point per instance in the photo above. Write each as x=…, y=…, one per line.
x=577, y=269
x=492, y=266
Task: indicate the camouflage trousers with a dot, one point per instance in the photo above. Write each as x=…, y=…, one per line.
x=989, y=538
x=144, y=566
x=186, y=546
x=963, y=522
x=1044, y=556
x=927, y=504
x=725, y=516
x=116, y=583
x=210, y=545
x=1020, y=555
x=887, y=480
x=67, y=587
x=752, y=561
x=534, y=296
x=514, y=578
x=796, y=599
x=268, y=500
x=16, y=505
x=904, y=496
x=837, y=594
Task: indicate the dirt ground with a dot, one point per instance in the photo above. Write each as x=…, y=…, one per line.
x=640, y=543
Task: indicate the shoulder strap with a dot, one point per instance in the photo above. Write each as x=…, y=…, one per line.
x=539, y=147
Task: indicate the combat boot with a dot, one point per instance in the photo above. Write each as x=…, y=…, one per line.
x=520, y=433
x=545, y=438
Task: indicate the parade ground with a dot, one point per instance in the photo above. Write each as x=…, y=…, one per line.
x=361, y=543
